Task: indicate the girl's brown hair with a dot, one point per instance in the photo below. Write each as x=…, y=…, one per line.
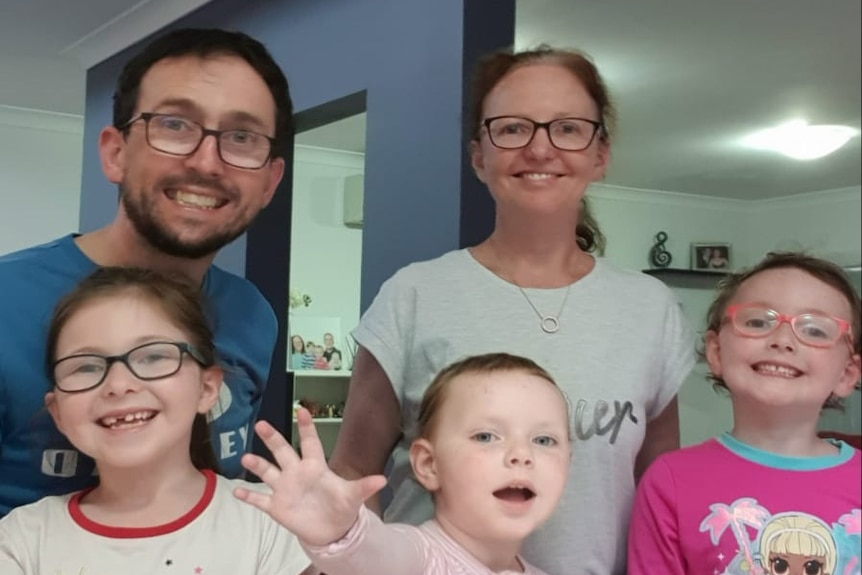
x=435, y=395
x=494, y=67
x=182, y=303
x=825, y=271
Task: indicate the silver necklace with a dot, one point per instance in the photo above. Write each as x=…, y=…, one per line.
x=548, y=323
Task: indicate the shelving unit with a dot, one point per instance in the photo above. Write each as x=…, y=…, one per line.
x=681, y=277
x=325, y=388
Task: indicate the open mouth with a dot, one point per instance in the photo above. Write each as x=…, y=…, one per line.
x=130, y=420
x=515, y=494
x=192, y=200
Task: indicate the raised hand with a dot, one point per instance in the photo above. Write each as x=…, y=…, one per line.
x=307, y=497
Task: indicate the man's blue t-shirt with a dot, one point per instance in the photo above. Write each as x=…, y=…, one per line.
x=35, y=458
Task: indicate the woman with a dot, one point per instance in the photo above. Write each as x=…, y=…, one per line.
x=297, y=352
x=615, y=340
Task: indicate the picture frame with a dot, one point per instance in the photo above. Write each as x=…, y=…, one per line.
x=711, y=256
x=318, y=338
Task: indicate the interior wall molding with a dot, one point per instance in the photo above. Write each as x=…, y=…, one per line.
x=41, y=120
x=129, y=27
x=653, y=197
x=660, y=197
x=811, y=199
x=328, y=157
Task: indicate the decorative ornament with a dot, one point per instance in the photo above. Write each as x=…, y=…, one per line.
x=298, y=299
x=658, y=256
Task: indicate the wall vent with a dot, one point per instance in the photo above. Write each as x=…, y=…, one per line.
x=354, y=189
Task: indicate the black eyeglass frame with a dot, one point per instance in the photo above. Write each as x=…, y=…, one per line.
x=110, y=360
x=597, y=126
x=148, y=116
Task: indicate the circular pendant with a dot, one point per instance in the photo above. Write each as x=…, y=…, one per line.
x=550, y=324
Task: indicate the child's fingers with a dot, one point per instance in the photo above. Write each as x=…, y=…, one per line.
x=281, y=450
x=260, y=500
x=309, y=441
x=267, y=472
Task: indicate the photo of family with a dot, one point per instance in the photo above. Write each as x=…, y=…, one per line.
x=312, y=344
x=710, y=256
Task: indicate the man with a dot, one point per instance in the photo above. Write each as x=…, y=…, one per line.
x=329, y=349
x=201, y=118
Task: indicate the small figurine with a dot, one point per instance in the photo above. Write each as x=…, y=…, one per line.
x=658, y=256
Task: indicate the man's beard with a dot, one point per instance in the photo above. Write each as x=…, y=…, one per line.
x=142, y=215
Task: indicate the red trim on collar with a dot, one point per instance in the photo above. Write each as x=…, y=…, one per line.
x=140, y=532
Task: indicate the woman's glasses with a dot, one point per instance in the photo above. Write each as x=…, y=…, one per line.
x=513, y=132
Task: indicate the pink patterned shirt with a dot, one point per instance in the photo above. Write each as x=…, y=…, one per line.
x=726, y=508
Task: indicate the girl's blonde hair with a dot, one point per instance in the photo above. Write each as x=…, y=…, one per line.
x=435, y=395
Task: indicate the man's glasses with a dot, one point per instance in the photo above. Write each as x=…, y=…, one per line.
x=148, y=362
x=570, y=134
x=179, y=136
x=812, y=329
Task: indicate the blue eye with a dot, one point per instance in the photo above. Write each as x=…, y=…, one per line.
x=241, y=138
x=567, y=128
x=174, y=123
x=483, y=437
x=92, y=367
x=545, y=441
x=510, y=127
x=153, y=357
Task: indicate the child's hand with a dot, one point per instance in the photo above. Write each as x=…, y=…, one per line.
x=307, y=498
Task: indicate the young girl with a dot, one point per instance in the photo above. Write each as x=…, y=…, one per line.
x=496, y=467
x=134, y=370
x=770, y=497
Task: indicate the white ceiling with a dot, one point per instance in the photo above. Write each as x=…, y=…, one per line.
x=690, y=78
x=47, y=45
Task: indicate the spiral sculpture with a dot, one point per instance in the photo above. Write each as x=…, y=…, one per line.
x=658, y=256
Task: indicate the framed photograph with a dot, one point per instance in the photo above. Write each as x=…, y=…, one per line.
x=710, y=257
x=312, y=343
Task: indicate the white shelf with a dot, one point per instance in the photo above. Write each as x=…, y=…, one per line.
x=319, y=373
x=319, y=420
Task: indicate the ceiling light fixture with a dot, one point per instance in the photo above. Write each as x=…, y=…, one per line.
x=801, y=141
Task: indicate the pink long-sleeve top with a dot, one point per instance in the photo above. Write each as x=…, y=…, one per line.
x=374, y=548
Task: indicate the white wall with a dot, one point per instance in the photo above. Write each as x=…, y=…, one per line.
x=40, y=176
x=326, y=256
x=828, y=224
